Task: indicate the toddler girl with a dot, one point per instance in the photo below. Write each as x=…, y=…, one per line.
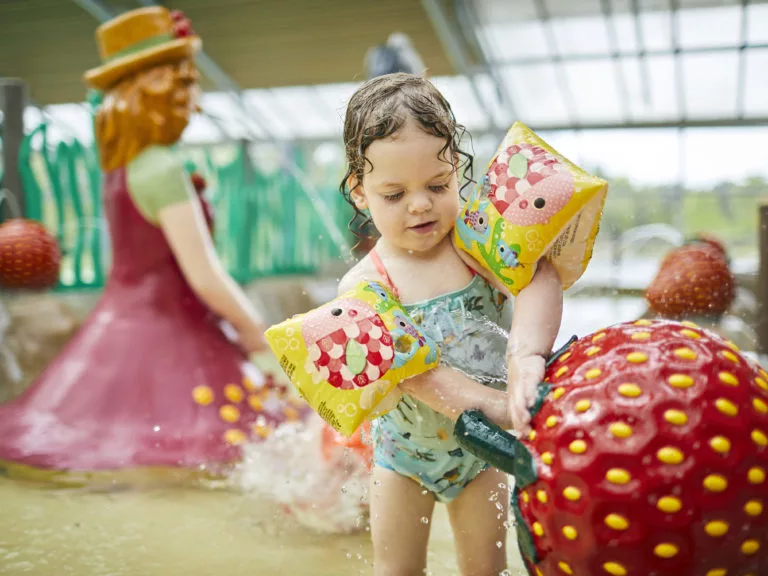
x=403, y=152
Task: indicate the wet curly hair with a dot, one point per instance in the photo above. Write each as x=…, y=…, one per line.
x=377, y=110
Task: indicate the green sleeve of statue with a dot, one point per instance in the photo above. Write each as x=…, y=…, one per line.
x=156, y=179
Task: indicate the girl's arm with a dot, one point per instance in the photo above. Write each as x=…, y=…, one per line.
x=535, y=324
x=449, y=392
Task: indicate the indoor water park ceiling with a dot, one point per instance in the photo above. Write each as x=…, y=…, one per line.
x=284, y=68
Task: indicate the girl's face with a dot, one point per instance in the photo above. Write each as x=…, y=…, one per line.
x=412, y=193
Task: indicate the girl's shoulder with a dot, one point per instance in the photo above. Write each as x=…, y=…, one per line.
x=363, y=270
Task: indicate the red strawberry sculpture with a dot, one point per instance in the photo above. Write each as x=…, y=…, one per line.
x=648, y=456
x=29, y=255
x=694, y=279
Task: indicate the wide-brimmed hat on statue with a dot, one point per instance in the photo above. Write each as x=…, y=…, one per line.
x=139, y=39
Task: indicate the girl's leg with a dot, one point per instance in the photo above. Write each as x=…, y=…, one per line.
x=400, y=536
x=477, y=517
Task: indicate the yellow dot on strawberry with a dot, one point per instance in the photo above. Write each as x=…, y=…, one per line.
x=615, y=569
x=572, y=493
x=562, y=370
x=234, y=436
x=690, y=334
x=750, y=547
x=202, y=395
x=728, y=355
x=720, y=444
x=726, y=407
x=670, y=455
x=547, y=458
x=630, y=390
x=598, y=336
x=665, y=550
x=255, y=403
x=680, y=381
x=716, y=528
x=676, y=417
x=557, y=393
x=616, y=522
x=570, y=532
x=669, y=504
x=565, y=567
x=715, y=483
x=759, y=405
x=637, y=357
x=582, y=405
x=551, y=422
x=753, y=508
x=728, y=378
x=542, y=496
x=620, y=430
x=643, y=322
x=578, y=447
x=233, y=393
x=229, y=413
x=759, y=438
x=592, y=350
x=756, y=475
x=538, y=529
x=618, y=476
x=641, y=336
x=685, y=354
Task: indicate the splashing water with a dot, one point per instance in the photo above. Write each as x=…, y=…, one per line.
x=325, y=495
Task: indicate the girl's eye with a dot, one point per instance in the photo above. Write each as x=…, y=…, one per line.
x=438, y=188
x=394, y=197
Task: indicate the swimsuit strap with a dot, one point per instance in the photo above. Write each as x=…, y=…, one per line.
x=382, y=271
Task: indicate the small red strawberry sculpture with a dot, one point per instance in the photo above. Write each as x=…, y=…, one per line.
x=648, y=457
x=694, y=279
x=182, y=27
x=29, y=255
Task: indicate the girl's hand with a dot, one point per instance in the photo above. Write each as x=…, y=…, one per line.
x=524, y=375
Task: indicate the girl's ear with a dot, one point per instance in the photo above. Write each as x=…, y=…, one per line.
x=356, y=192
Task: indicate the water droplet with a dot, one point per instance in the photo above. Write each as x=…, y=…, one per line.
x=580, y=434
x=377, y=482
x=502, y=486
x=359, y=556
x=156, y=428
x=499, y=544
x=343, y=489
x=499, y=506
x=424, y=520
x=349, y=555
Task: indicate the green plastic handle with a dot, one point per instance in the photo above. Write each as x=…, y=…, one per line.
x=476, y=434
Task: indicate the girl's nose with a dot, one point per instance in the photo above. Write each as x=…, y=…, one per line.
x=420, y=203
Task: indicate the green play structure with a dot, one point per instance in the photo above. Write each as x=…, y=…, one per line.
x=267, y=224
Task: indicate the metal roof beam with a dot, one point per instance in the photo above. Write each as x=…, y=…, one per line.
x=613, y=44
x=645, y=80
x=600, y=57
x=674, y=32
x=465, y=10
x=556, y=58
x=455, y=51
x=741, y=95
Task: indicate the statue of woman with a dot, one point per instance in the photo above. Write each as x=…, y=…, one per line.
x=151, y=379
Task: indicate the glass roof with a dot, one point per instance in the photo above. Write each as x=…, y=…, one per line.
x=571, y=68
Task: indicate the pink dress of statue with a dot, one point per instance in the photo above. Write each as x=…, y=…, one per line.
x=150, y=380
